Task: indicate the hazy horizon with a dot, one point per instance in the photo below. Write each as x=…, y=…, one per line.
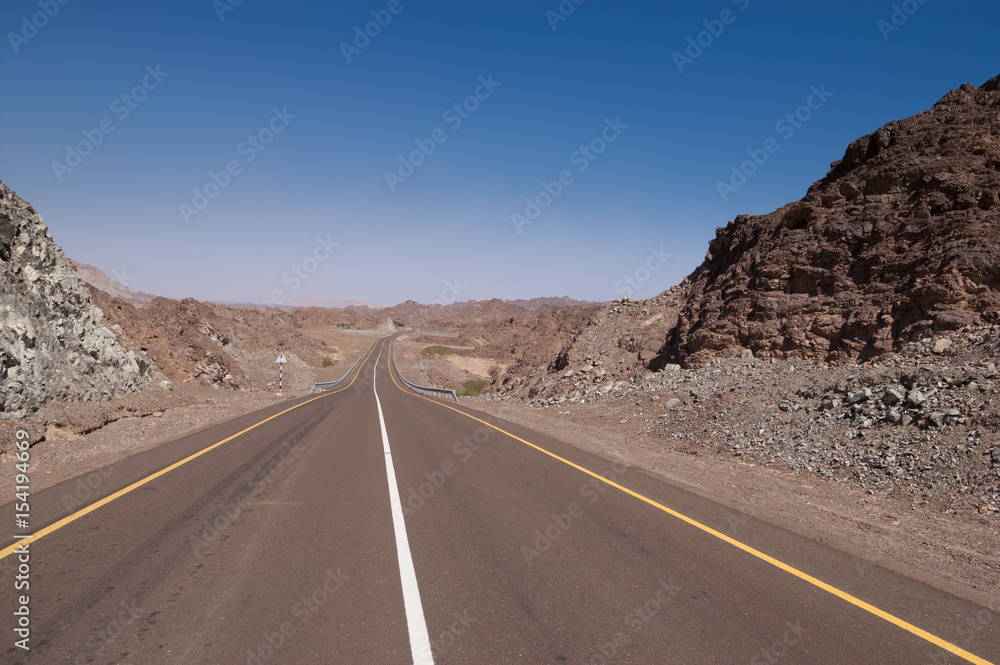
x=263, y=152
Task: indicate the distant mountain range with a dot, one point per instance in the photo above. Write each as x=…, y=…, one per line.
x=100, y=280
x=329, y=303
x=533, y=303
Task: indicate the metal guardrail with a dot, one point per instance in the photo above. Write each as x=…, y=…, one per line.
x=425, y=390
x=327, y=385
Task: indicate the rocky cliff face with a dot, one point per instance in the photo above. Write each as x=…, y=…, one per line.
x=53, y=343
x=899, y=241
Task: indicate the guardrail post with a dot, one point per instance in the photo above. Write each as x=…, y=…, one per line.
x=446, y=393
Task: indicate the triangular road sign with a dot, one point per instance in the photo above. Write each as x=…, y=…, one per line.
x=281, y=359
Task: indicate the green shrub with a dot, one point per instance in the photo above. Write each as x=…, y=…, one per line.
x=473, y=387
x=329, y=362
x=437, y=349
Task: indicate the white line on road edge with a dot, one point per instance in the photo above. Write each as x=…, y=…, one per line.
x=420, y=641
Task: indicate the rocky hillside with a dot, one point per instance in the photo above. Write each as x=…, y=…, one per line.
x=593, y=345
x=226, y=346
x=53, y=342
x=219, y=346
x=526, y=341
x=899, y=241
x=922, y=423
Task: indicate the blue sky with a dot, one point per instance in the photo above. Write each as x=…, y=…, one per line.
x=162, y=95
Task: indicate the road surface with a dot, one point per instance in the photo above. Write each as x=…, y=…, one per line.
x=372, y=525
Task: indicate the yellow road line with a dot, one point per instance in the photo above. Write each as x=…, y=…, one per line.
x=10, y=549
x=843, y=595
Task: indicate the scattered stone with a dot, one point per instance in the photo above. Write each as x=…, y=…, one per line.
x=892, y=397
x=941, y=345
x=859, y=396
x=915, y=398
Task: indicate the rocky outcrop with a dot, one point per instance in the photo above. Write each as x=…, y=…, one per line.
x=387, y=326
x=177, y=337
x=901, y=240
x=53, y=343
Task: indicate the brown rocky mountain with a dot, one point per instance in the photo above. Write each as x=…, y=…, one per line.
x=217, y=345
x=53, y=342
x=900, y=240
x=414, y=313
x=99, y=279
x=225, y=346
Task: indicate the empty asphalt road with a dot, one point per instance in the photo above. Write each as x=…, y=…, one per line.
x=374, y=525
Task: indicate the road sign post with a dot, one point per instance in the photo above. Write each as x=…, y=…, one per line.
x=281, y=366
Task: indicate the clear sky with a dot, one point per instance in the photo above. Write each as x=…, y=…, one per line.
x=115, y=116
